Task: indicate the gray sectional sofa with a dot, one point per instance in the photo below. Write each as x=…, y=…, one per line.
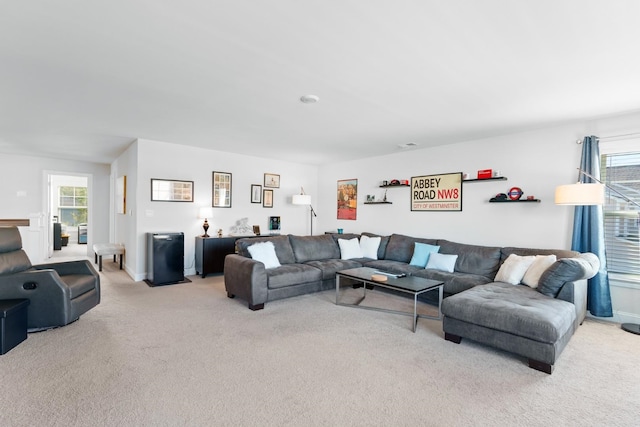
x=516, y=318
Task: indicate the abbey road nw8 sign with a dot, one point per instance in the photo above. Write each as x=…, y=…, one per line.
x=437, y=192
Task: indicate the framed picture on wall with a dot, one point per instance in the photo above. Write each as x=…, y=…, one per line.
x=256, y=193
x=271, y=180
x=221, y=187
x=267, y=198
x=347, y=199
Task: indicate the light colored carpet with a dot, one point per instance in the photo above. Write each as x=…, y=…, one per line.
x=186, y=355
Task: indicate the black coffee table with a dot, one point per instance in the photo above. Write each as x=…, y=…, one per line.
x=408, y=284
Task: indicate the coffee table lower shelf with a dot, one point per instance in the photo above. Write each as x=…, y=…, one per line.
x=410, y=285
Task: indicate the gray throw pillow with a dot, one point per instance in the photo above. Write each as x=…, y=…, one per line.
x=584, y=266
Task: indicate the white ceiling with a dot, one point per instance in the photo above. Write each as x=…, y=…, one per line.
x=83, y=79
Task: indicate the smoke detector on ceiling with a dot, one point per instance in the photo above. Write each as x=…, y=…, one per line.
x=309, y=99
x=408, y=145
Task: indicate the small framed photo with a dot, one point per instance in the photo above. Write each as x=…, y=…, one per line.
x=256, y=193
x=267, y=198
x=256, y=230
x=271, y=180
x=274, y=223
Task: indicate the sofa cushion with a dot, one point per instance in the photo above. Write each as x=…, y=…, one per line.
x=384, y=241
x=518, y=310
x=14, y=262
x=284, y=252
x=292, y=274
x=400, y=247
x=534, y=272
x=310, y=248
x=349, y=248
x=584, y=266
x=472, y=259
x=421, y=252
x=453, y=282
x=442, y=262
x=395, y=267
x=369, y=246
x=559, y=253
x=514, y=268
x=329, y=267
x=264, y=252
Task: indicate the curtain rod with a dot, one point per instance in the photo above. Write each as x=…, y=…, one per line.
x=626, y=135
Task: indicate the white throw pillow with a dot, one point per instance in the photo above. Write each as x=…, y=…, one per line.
x=443, y=262
x=513, y=268
x=264, y=252
x=349, y=248
x=369, y=246
x=539, y=266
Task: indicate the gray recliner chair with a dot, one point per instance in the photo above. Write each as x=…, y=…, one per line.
x=59, y=293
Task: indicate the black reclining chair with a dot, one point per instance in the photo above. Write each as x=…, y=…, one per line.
x=59, y=293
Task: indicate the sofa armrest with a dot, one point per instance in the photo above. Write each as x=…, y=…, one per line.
x=50, y=298
x=246, y=278
x=69, y=267
x=576, y=293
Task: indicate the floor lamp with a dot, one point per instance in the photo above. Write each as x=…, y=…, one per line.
x=592, y=194
x=304, y=199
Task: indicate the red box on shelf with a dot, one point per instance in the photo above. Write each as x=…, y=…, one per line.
x=485, y=173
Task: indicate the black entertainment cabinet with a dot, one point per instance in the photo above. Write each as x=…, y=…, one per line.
x=210, y=253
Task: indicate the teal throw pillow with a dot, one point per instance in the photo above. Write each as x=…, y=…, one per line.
x=421, y=252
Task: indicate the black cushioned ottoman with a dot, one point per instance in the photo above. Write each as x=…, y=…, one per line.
x=514, y=318
x=13, y=323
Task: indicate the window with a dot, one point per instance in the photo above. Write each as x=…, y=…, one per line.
x=621, y=171
x=72, y=208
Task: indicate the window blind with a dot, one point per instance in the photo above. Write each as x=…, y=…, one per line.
x=621, y=171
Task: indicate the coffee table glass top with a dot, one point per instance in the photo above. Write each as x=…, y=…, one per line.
x=411, y=283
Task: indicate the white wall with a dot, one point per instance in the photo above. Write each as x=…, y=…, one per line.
x=152, y=159
x=23, y=192
x=536, y=161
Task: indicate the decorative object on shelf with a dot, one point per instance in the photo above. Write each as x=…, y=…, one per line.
x=221, y=197
x=586, y=194
x=256, y=193
x=305, y=200
x=240, y=228
x=205, y=212
x=267, y=198
x=256, y=230
x=395, y=182
x=385, y=183
x=515, y=193
x=499, y=178
x=170, y=190
x=271, y=180
x=220, y=232
x=437, y=192
x=485, y=173
x=371, y=198
x=340, y=230
x=384, y=199
x=500, y=197
x=347, y=199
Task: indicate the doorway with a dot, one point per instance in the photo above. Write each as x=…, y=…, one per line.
x=69, y=211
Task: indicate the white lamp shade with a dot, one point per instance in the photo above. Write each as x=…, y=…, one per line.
x=301, y=199
x=580, y=194
x=205, y=213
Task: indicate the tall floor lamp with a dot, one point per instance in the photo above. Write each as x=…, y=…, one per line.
x=592, y=194
x=304, y=199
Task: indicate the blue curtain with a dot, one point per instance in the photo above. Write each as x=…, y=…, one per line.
x=588, y=233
